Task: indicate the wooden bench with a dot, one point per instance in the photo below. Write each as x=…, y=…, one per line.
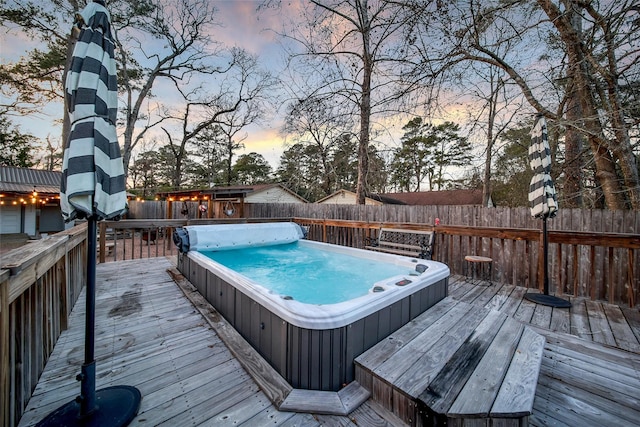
x=413, y=243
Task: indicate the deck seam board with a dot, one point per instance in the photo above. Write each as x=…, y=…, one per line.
x=438, y=354
x=575, y=405
x=212, y=408
x=600, y=329
x=593, y=367
x=479, y=393
x=174, y=402
x=621, y=330
x=443, y=389
x=601, y=386
x=54, y=377
x=412, y=351
x=104, y=346
x=620, y=359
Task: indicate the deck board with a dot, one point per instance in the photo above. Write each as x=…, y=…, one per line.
x=187, y=374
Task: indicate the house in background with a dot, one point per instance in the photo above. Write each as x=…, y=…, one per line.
x=346, y=197
x=30, y=201
x=272, y=193
x=420, y=198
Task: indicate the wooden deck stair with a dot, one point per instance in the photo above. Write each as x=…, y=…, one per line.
x=457, y=364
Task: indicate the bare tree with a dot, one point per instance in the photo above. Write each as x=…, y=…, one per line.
x=318, y=121
x=188, y=52
x=355, y=52
x=240, y=100
x=495, y=106
x=598, y=60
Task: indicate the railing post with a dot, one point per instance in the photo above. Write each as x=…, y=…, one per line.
x=103, y=241
x=324, y=230
x=5, y=384
x=632, y=300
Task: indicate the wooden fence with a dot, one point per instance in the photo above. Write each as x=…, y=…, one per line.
x=584, y=220
x=39, y=284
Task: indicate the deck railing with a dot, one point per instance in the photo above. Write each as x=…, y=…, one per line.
x=39, y=284
x=600, y=266
x=147, y=238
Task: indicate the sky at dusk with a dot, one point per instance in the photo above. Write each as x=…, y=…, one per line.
x=241, y=25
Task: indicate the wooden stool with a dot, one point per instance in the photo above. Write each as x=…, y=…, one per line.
x=480, y=269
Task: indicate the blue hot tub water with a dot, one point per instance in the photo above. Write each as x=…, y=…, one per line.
x=326, y=277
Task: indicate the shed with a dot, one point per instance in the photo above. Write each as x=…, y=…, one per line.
x=346, y=197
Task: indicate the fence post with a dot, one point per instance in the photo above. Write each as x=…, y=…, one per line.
x=5, y=383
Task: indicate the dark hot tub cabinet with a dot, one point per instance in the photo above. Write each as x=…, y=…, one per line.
x=312, y=346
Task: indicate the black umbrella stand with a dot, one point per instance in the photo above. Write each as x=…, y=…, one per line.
x=544, y=298
x=111, y=406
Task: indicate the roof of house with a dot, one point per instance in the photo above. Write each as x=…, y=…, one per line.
x=24, y=180
x=446, y=197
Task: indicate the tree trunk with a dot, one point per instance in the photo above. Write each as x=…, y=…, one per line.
x=66, y=124
x=605, y=166
x=573, y=140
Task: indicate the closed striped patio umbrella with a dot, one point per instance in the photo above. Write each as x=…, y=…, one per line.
x=542, y=193
x=544, y=204
x=93, y=187
x=93, y=181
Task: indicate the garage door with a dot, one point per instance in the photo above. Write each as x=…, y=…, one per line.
x=9, y=219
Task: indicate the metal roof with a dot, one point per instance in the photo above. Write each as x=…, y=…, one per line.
x=24, y=180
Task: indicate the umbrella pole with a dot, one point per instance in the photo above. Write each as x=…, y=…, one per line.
x=544, y=298
x=88, y=372
x=113, y=406
x=545, y=255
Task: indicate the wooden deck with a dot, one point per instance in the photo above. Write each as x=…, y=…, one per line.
x=150, y=335
x=590, y=373
x=590, y=320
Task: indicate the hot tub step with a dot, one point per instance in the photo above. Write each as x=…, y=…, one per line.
x=455, y=362
x=342, y=402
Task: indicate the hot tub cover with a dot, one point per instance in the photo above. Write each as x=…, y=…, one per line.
x=219, y=237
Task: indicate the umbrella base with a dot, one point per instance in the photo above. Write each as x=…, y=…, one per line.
x=116, y=406
x=549, y=300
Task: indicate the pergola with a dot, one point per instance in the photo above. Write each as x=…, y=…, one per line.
x=216, y=202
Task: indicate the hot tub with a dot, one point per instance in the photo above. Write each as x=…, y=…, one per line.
x=311, y=345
